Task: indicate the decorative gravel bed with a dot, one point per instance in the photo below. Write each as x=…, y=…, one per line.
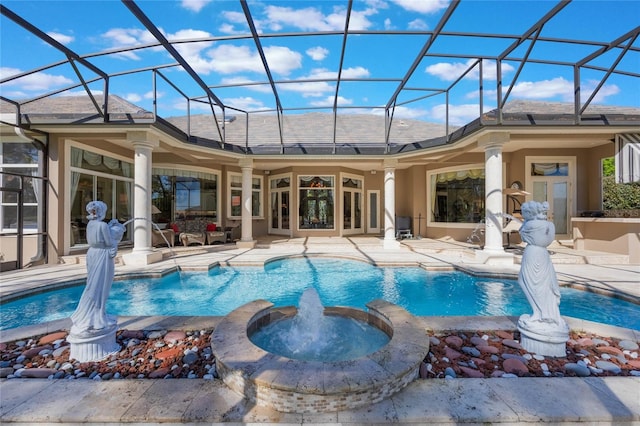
x=180, y=354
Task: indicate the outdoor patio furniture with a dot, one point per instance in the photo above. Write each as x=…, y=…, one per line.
x=162, y=236
x=403, y=227
x=216, y=236
x=188, y=238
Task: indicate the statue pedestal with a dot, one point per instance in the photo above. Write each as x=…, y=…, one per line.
x=544, y=339
x=94, y=346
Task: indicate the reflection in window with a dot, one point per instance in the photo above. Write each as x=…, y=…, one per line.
x=457, y=196
x=183, y=194
x=99, y=177
x=550, y=169
x=235, y=194
x=316, y=202
x=19, y=162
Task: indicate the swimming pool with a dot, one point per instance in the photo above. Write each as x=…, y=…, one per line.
x=339, y=282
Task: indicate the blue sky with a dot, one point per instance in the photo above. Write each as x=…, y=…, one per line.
x=101, y=26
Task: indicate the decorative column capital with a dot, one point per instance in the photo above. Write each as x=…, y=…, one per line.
x=245, y=163
x=493, y=140
x=390, y=163
x=143, y=138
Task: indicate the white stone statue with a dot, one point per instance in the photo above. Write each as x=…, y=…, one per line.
x=90, y=316
x=544, y=331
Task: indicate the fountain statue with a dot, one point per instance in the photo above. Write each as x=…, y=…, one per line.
x=92, y=334
x=544, y=331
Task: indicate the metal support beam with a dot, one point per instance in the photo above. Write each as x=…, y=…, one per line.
x=335, y=97
x=150, y=26
x=445, y=17
x=256, y=39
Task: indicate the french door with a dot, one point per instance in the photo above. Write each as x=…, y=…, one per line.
x=280, y=205
x=551, y=180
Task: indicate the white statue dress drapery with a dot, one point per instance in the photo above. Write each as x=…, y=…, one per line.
x=537, y=275
x=90, y=316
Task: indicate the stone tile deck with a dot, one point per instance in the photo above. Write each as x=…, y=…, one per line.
x=592, y=400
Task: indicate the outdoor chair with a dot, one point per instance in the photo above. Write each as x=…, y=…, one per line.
x=403, y=227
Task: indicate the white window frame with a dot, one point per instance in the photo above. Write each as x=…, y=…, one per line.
x=67, y=180
x=360, y=190
x=7, y=168
x=335, y=202
x=216, y=173
x=260, y=192
x=289, y=189
x=467, y=225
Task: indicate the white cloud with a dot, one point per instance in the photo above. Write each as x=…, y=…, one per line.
x=401, y=112
x=39, y=81
x=308, y=89
x=418, y=24
x=458, y=114
x=194, y=5
x=317, y=53
x=422, y=6
x=561, y=88
x=61, y=38
x=388, y=25
x=328, y=102
x=81, y=92
x=149, y=94
x=128, y=37
x=246, y=103
x=450, y=71
x=228, y=59
x=132, y=97
x=352, y=72
x=312, y=19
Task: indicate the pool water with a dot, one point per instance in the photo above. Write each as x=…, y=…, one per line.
x=339, y=283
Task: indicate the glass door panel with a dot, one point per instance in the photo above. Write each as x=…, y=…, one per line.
x=373, y=212
x=285, y=209
x=275, y=217
x=346, y=210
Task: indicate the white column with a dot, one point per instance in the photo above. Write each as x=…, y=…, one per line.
x=143, y=253
x=493, y=251
x=390, y=204
x=246, y=239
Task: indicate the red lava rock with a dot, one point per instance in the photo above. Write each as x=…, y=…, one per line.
x=50, y=338
x=504, y=334
x=609, y=350
x=451, y=353
x=38, y=373
x=30, y=353
x=512, y=343
x=470, y=372
x=478, y=361
x=3, y=346
x=454, y=341
x=175, y=336
x=169, y=353
x=488, y=349
x=634, y=363
x=514, y=366
x=159, y=373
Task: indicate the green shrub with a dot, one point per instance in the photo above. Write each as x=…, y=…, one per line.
x=620, y=196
